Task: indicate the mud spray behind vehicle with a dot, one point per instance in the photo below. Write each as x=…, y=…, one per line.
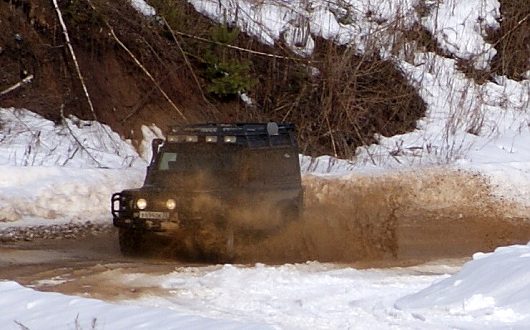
x=210, y=184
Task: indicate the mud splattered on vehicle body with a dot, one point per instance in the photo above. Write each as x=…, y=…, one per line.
x=208, y=185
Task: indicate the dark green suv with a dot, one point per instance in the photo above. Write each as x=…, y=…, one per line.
x=209, y=184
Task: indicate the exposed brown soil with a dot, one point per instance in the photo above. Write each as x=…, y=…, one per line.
x=122, y=95
x=512, y=41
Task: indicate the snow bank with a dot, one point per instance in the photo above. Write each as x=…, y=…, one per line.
x=361, y=24
x=292, y=296
x=31, y=140
x=460, y=28
x=60, y=193
x=38, y=310
x=494, y=287
x=61, y=172
x=143, y=8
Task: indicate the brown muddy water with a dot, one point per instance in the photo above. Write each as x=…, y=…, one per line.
x=366, y=221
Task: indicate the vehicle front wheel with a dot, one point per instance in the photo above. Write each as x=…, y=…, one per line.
x=216, y=243
x=130, y=241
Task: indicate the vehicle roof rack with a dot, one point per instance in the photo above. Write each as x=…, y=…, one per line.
x=253, y=135
x=237, y=129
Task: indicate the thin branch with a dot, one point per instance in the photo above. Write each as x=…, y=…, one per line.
x=142, y=101
x=22, y=326
x=332, y=137
x=359, y=135
x=255, y=52
x=65, y=123
x=185, y=59
x=21, y=83
x=139, y=64
x=147, y=73
x=512, y=30
x=74, y=58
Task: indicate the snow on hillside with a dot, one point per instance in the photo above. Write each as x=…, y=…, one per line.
x=30, y=140
x=358, y=23
x=460, y=27
x=467, y=125
x=463, y=117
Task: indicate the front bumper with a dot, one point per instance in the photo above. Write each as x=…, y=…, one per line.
x=124, y=216
x=156, y=225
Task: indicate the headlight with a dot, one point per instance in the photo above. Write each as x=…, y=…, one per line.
x=171, y=204
x=141, y=203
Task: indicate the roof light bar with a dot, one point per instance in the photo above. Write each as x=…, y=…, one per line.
x=182, y=138
x=230, y=139
x=192, y=138
x=211, y=139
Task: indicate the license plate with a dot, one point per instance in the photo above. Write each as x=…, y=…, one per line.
x=153, y=215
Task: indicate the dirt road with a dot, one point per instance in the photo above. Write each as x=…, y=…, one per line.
x=364, y=222
x=91, y=266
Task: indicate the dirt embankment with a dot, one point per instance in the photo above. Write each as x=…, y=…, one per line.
x=198, y=77
x=123, y=96
x=412, y=216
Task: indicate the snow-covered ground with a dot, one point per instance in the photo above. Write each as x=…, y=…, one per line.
x=66, y=172
x=490, y=291
x=61, y=172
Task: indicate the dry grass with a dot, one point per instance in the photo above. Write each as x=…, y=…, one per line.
x=339, y=99
x=512, y=41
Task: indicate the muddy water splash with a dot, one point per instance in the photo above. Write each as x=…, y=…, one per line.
x=417, y=215
x=367, y=221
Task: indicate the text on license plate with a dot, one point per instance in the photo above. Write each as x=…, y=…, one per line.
x=153, y=215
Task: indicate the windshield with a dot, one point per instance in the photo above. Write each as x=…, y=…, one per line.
x=195, y=167
x=208, y=167
x=196, y=161
x=165, y=159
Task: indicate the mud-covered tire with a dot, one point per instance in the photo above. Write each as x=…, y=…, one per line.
x=291, y=214
x=130, y=241
x=215, y=243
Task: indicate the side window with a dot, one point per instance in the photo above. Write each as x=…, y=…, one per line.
x=290, y=161
x=165, y=160
x=283, y=163
x=266, y=164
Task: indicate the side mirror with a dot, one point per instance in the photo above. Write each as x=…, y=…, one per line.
x=155, y=146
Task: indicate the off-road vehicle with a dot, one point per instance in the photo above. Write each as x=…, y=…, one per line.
x=210, y=183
